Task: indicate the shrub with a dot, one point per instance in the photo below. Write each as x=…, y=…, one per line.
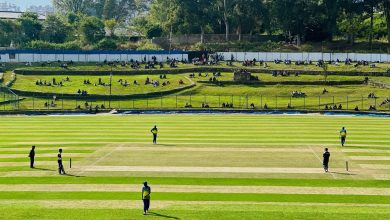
x=106, y=44
x=39, y=44
x=147, y=45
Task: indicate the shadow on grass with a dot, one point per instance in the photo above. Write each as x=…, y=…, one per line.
x=43, y=169
x=167, y=145
x=68, y=174
x=161, y=215
x=55, y=170
x=342, y=173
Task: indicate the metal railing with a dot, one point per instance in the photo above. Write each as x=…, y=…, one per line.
x=12, y=102
x=8, y=99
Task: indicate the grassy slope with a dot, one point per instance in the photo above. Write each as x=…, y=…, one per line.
x=271, y=65
x=357, y=94
x=27, y=83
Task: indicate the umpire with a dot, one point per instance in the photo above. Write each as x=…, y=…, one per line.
x=31, y=155
x=325, y=162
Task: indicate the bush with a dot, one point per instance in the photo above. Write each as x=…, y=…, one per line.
x=154, y=31
x=92, y=29
x=146, y=45
x=39, y=44
x=106, y=44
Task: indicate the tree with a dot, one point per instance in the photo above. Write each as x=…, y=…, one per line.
x=247, y=15
x=331, y=12
x=75, y=6
x=30, y=26
x=54, y=29
x=9, y=32
x=120, y=10
x=227, y=6
x=386, y=10
x=110, y=25
x=92, y=30
x=165, y=13
x=351, y=19
x=197, y=13
x=370, y=6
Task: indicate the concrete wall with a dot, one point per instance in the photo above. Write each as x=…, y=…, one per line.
x=21, y=56
x=303, y=56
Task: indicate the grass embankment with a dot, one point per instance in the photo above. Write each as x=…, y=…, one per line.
x=271, y=65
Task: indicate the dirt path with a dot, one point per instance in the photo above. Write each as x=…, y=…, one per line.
x=54, y=155
x=202, y=169
x=211, y=149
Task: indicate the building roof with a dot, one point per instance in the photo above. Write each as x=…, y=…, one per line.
x=16, y=15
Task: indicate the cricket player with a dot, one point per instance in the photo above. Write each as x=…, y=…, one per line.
x=60, y=165
x=325, y=162
x=146, y=191
x=343, y=136
x=154, y=132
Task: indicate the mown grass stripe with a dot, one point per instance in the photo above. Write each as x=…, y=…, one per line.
x=364, y=199
x=198, y=181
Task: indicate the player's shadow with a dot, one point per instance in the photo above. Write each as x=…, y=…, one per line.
x=43, y=169
x=342, y=173
x=161, y=215
x=166, y=145
x=67, y=174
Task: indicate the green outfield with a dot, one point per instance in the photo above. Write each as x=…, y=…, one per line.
x=222, y=166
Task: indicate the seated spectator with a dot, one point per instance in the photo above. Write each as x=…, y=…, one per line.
x=252, y=106
x=366, y=79
x=265, y=106
x=187, y=105
x=357, y=108
x=372, y=96
x=181, y=82
x=386, y=101
x=147, y=81
x=326, y=107
x=340, y=107
x=325, y=91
